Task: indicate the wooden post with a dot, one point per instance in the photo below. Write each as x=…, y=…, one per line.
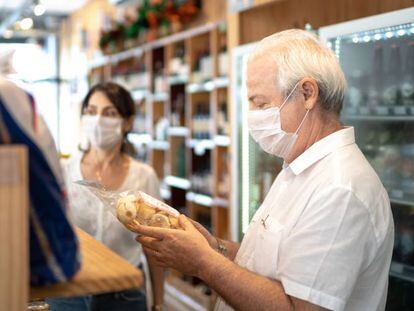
x=14, y=225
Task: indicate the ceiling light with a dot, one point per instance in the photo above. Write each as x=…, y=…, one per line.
x=39, y=10
x=26, y=23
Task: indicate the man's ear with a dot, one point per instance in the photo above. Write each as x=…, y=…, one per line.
x=310, y=91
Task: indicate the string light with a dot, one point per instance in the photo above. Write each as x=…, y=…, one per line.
x=26, y=23
x=39, y=9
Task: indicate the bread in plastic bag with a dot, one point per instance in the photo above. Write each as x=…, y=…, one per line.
x=134, y=207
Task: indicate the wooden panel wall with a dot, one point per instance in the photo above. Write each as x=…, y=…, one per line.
x=267, y=19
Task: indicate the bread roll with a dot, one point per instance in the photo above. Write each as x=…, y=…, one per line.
x=145, y=210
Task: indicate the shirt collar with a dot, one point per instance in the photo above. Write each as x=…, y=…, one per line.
x=322, y=148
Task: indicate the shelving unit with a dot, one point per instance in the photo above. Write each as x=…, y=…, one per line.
x=180, y=85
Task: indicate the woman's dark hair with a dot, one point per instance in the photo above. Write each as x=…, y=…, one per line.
x=123, y=103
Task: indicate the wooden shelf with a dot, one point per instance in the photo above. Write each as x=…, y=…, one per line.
x=139, y=94
x=139, y=139
x=159, y=145
x=159, y=97
x=181, y=154
x=174, y=80
x=178, y=182
x=102, y=271
x=221, y=202
x=200, y=87
x=200, y=199
x=178, y=131
x=138, y=51
x=222, y=140
x=200, y=145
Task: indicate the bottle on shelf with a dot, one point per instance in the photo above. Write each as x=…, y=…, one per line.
x=407, y=83
x=354, y=97
x=376, y=78
x=160, y=85
x=391, y=92
x=224, y=177
x=178, y=65
x=180, y=161
x=140, y=80
x=177, y=114
x=202, y=178
x=222, y=118
x=202, y=122
x=206, y=64
x=196, y=76
x=161, y=129
x=223, y=60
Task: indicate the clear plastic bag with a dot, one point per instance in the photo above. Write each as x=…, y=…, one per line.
x=134, y=207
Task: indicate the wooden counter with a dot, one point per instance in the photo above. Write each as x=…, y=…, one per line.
x=102, y=271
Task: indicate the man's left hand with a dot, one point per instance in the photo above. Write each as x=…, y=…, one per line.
x=184, y=250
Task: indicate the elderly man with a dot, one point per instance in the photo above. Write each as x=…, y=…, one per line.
x=323, y=237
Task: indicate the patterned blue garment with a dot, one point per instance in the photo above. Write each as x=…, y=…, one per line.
x=54, y=251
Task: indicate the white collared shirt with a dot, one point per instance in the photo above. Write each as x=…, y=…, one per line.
x=325, y=229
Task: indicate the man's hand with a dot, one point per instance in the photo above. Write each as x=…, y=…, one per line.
x=206, y=234
x=185, y=250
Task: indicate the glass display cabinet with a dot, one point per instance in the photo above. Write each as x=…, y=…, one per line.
x=253, y=170
x=377, y=57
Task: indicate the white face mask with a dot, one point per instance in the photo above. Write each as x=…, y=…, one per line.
x=102, y=132
x=266, y=129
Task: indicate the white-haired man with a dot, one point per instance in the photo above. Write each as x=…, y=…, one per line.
x=323, y=237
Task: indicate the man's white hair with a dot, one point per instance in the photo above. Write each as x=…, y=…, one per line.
x=299, y=54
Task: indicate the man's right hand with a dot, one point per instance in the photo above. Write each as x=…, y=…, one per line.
x=207, y=235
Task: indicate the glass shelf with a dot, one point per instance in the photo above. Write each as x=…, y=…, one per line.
x=402, y=271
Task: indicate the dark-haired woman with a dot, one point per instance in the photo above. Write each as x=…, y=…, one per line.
x=107, y=116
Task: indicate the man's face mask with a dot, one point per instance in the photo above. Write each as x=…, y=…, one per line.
x=266, y=129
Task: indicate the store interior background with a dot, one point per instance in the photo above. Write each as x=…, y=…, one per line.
x=186, y=76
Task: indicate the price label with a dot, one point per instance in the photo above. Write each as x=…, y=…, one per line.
x=400, y=110
x=364, y=111
x=381, y=110
x=397, y=193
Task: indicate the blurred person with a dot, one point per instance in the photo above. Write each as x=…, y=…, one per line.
x=108, y=112
x=323, y=236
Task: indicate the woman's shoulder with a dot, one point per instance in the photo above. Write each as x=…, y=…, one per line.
x=141, y=168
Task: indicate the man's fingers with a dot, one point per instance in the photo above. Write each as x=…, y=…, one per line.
x=185, y=223
x=154, y=232
x=156, y=257
x=148, y=242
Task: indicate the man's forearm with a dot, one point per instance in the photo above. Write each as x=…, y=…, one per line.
x=242, y=289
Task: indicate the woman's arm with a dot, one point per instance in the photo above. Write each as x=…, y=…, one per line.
x=157, y=280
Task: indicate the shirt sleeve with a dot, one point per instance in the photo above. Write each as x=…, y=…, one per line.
x=323, y=255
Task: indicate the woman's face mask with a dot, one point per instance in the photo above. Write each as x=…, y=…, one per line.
x=102, y=132
x=266, y=129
